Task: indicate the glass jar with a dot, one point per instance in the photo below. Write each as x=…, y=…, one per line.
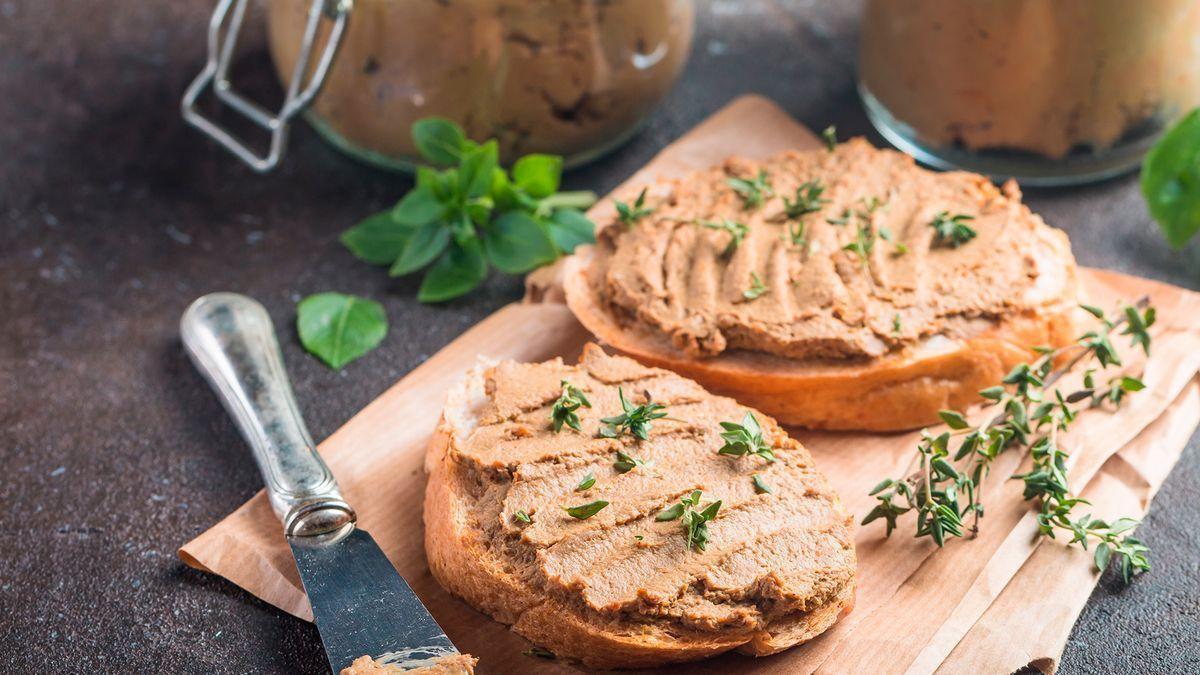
x=1049, y=91
x=566, y=77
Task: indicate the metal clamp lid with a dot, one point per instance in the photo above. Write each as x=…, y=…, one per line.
x=222, y=40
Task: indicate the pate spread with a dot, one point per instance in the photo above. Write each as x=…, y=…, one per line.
x=862, y=274
x=1043, y=77
x=769, y=555
x=558, y=76
x=452, y=664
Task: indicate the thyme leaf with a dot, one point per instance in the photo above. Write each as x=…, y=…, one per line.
x=760, y=485
x=626, y=463
x=585, y=511
x=757, y=288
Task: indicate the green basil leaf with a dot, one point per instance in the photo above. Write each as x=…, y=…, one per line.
x=339, y=328
x=439, y=140
x=475, y=172
x=418, y=207
x=538, y=175
x=1171, y=180
x=378, y=240
x=461, y=268
x=516, y=243
x=570, y=228
x=426, y=243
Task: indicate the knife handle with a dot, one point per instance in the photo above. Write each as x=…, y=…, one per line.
x=230, y=339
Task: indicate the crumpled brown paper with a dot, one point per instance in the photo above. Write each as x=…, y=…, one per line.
x=975, y=606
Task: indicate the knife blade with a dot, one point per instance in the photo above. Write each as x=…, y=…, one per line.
x=361, y=604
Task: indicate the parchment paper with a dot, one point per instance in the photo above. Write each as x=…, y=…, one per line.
x=977, y=605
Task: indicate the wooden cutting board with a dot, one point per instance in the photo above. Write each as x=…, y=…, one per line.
x=975, y=605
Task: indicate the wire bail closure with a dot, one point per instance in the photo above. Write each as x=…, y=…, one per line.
x=222, y=40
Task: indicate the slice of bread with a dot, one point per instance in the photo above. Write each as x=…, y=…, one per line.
x=879, y=337
x=623, y=588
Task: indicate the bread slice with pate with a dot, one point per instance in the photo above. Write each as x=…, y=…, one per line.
x=834, y=289
x=604, y=541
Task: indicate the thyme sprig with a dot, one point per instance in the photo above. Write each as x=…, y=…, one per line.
x=694, y=522
x=563, y=410
x=808, y=200
x=753, y=191
x=829, y=135
x=952, y=230
x=636, y=419
x=757, y=288
x=629, y=214
x=745, y=439
x=946, y=486
x=737, y=232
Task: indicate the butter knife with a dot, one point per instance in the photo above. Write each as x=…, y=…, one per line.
x=361, y=604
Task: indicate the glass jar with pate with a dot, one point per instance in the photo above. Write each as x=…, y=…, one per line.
x=567, y=77
x=1051, y=92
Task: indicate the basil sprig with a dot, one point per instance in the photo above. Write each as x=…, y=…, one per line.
x=458, y=221
x=1170, y=180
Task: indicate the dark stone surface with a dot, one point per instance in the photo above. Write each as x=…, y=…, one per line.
x=113, y=216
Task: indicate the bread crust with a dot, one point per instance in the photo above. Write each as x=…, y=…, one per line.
x=466, y=566
x=896, y=392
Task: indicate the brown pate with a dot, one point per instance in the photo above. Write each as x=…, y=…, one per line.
x=453, y=664
x=771, y=558
x=670, y=275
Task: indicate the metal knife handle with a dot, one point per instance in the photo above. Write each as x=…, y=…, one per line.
x=230, y=339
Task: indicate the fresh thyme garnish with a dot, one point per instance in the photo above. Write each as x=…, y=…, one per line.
x=896, y=328
x=523, y=517
x=628, y=214
x=899, y=247
x=626, y=463
x=946, y=487
x=585, y=511
x=587, y=483
x=952, y=231
x=871, y=204
x=795, y=233
x=737, y=232
x=863, y=244
x=840, y=220
x=745, y=439
x=829, y=135
x=760, y=486
x=539, y=652
x=695, y=523
x=636, y=419
x=638, y=537
x=757, y=288
x=563, y=411
x=753, y=191
x=808, y=200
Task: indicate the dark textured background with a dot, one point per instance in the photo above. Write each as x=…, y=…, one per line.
x=113, y=216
